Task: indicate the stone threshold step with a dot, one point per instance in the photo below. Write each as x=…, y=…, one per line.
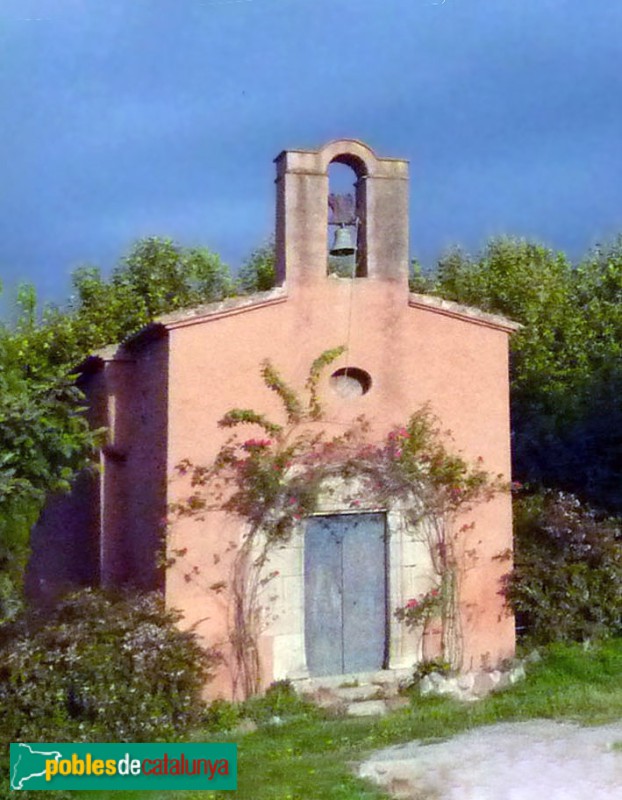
x=384, y=677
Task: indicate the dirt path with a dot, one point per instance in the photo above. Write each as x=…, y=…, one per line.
x=537, y=760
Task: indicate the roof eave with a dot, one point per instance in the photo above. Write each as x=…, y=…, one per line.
x=449, y=308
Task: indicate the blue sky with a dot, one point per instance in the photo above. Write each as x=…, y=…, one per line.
x=128, y=118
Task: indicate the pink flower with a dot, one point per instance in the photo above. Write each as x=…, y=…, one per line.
x=412, y=603
x=251, y=444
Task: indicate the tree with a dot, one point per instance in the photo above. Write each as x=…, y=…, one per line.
x=259, y=271
x=44, y=440
x=44, y=436
x=565, y=362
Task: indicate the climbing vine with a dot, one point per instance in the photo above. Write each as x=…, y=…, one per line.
x=274, y=479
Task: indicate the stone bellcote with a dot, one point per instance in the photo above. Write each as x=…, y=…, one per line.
x=302, y=213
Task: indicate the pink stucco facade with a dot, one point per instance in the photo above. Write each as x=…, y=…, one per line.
x=416, y=354
x=165, y=391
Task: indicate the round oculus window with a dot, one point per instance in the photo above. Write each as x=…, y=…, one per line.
x=350, y=382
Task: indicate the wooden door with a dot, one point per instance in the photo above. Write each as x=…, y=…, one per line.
x=345, y=593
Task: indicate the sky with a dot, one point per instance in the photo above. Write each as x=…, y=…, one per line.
x=131, y=118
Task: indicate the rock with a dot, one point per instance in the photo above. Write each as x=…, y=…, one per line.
x=378, y=692
x=391, y=675
x=383, y=678
x=448, y=686
x=495, y=676
x=437, y=679
x=246, y=726
x=483, y=684
x=326, y=698
x=517, y=674
x=504, y=680
x=465, y=681
x=368, y=708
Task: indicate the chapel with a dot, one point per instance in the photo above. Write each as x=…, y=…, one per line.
x=342, y=263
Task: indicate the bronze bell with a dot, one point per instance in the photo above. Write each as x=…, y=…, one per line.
x=342, y=244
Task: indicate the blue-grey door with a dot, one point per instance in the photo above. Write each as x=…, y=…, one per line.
x=345, y=593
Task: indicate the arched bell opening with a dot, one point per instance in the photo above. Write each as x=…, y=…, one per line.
x=346, y=217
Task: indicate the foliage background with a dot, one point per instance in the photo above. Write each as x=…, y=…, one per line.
x=566, y=361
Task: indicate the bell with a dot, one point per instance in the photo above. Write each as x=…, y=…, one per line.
x=342, y=245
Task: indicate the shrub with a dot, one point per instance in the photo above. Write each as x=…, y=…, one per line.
x=222, y=715
x=429, y=666
x=281, y=701
x=568, y=569
x=100, y=668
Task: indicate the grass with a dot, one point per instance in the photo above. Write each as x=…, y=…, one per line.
x=313, y=759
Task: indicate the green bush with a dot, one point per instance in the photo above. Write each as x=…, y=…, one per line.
x=280, y=703
x=424, y=668
x=567, y=580
x=97, y=668
x=222, y=715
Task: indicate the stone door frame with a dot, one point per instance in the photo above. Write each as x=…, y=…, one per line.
x=409, y=573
